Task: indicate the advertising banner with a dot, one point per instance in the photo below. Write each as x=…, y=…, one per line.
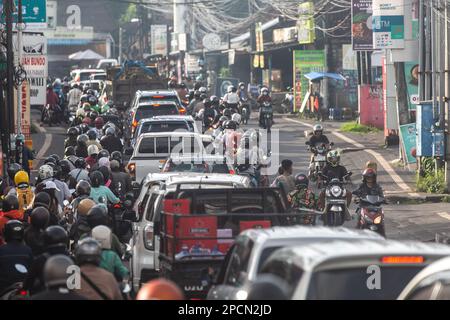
x=306, y=32
x=412, y=84
x=305, y=61
x=409, y=139
x=348, y=58
x=388, y=24
x=158, y=40
x=25, y=111
x=362, y=34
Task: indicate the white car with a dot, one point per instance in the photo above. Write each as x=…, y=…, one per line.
x=262, y=243
x=358, y=270
x=79, y=75
x=145, y=242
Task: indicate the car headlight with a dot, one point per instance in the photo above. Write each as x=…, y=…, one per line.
x=377, y=220
x=336, y=191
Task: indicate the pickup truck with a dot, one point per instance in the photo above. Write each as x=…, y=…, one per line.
x=152, y=150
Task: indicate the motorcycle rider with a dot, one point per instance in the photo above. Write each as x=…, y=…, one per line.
x=96, y=283
x=263, y=97
x=81, y=225
x=74, y=96
x=99, y=191
x=243, y=98
x=231, y=99
x=34, y=233
x=303, y=198
x=93, y=138
x=317, y=138
x=116, y=155
x=210, y=114
x=80, y=173
x=10, y=211
x=93, y=153
x=121, y=181
x=285, y=180
x=23, y=190
x=69, y=154
x=111, y=142
x=197, y=99
x=52, y=100
x=81, y=148
x=99, y=123
x=369, y=185
x=15, y=256
x=220, y=127
x=100, y=161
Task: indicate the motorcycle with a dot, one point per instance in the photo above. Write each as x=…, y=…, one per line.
x=50, y=114
x=122, y=215
x=14, y=292
x=319, y=161
x=371, y=214
x=286, y=104
x=267, y=116
x=244, y=106
x=335, y=201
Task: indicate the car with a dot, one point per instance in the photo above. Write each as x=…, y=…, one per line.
x=145, y=242
x=198, y=164
x=83, y=74
x=165, y=124
x=258, y=245
x=98, y=76
x=107, y=63
x=147, y=110
x=152, y=150
x=432, y=283
x=343, y=270
x=157, y=96
x=96, y=85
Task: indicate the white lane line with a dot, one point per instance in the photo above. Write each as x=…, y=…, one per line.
x=386, y=166
x=47, y=143
x=301, y=122
x=444, y=215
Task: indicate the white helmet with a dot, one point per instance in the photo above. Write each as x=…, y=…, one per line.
x=81, y=113
x=45, y=172
x=103, y=235
x=265, y=91
x=318, y=127
x=92, y=149
x=236, y=118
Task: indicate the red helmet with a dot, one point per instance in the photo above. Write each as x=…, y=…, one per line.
x=87, y=121
x=369, y=173
x=99, y=122
x=160, y=289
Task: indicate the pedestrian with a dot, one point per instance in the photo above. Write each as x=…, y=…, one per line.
x=285, y=180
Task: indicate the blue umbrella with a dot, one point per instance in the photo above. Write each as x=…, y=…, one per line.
x=313, y=76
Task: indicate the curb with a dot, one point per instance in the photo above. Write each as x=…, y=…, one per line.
x=432, y=198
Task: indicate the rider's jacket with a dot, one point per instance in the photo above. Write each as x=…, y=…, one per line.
x=337, y=172
x=303, y=198
x=314, y=140
x=364, y=190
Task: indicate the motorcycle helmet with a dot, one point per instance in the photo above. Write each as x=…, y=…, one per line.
x=214, y=100
x=72, y=132
x=301, y=181
x=160, y=289
x=92, y=150
x=99, y=122
x=83, y=188
x=115, y=166
x=103, y=154
x=87, y=106
x=87, y=121
x=265, y=91
x=42, y=199
x=13, y=169
x=84, y=99
x=83, y=139
x=93, y=115
x=55, y=236
x=21, y=179
x=110, y=131
x=222, y=119
x=10, y=203
x=89, y=251
x=65, y=167
x=197, y=94
x=236, y=118
x=92, y=134
x=97, y=179
x=333, y=158
x=231, y=89
x=46, y=172
x=97, y=216
x=55, y=271
x=318, y=129
x=227, y=113
x=13, y=230
x=84, y=128
x=70, y=151
x=85, y=206
x=40, y=218
x=241, y=85
x=105, y=171
x=103, y=235
x=80, y=163
x=93, y=101
x=117, y=155
x=203, y=90
x=231, y=125
x=50, y=161
x=369, y=174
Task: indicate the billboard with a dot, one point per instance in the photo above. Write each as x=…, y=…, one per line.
x=306, y=32
x=34, y=14
x=362, y=34
x=412, y=84
x=409, y=139
x=305, y=61
x=388, y=24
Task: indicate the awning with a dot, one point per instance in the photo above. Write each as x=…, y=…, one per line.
x=86, y=55
x=313, y=76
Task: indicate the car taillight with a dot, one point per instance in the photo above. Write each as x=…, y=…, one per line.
x=148, y=237
x=182, y=111
x=232, y=171
x=134, y=124
x=402, y=259
x=117, y=206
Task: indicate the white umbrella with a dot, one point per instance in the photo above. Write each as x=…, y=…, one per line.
x=86, y=55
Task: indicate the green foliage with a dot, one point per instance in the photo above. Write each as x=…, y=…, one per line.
x=225, y=72
x=432, y=182
x=129, y=14
x=358, y=128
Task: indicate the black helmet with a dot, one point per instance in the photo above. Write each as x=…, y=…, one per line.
x=55, y=236
x=55, y=271
x=105, y=172
x=10, y=203
x=80, y=163
x=197, y=94
x=83, y=138
x=40, y=218
x=227, y=113
x=103, y=154
x=56, y=157
x=65, y=167
x=84, y=128
x=97, y=179
x=42, y=199
x=93, y=100
x=110, y=131
x=97, y=216
x=13, y=169
x=116, y=155
x=70, y=151
x=92, y=134
x=301, y=181
x=72, y=132
x=93, y=115
x=84, y=98
x=89, y=251
x=83, y=188
x=232, y=125
x=57, y=172
x=214, y=100
x=13, y=230
x=50, y=161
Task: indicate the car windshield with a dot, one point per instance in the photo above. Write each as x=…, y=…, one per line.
x=265, y=254
x=162, y=97
x=149, y=111
x=166, y=127
x=99, y=77
x=352, y=283
x=167, y=145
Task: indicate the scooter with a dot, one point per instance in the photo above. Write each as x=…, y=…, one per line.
x=50, y=114
x=319, y=161
x=245, y=110
x=14, y=292
x=371, y=214
x=335, y=201
x=267, y=116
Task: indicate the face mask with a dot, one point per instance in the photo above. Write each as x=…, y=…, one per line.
x=242, y=88
x=265, y=93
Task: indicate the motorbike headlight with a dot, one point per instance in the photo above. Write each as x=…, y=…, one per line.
x=377, y=220
x=336, y=191
x=327, y=192
x=344, y=193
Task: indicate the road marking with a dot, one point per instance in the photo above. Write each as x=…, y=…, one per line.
x=301, y=122
x=444, y=215
x=47, y=142
x=386, y=166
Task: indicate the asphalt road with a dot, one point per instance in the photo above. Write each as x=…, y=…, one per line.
x=414, y=221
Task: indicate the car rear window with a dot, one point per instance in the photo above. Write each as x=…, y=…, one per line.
x=167, y=145
x=164, y=127
x=149, y=111
x=100, y=77
x=352, y=283
x=162, y=97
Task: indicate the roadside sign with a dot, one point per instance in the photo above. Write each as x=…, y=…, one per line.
x=409, y=139
x=34, y=14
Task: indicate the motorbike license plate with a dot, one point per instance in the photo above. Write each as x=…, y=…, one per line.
x=319, y=158
x=267, y=110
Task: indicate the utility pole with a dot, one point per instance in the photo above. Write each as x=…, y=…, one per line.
x=120, y=44
x=252, y=43
x=447, y=93
x=9, y=108
x=19, y=146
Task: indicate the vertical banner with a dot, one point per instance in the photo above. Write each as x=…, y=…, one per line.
x=409, y=139
x=25, y=110
x=362, y=34
x=305, y=25
x=305, y=61
x=158, y=34
x=388, y=24
x=412, y=84
x=258, y=60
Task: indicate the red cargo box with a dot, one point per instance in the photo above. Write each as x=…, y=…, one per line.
x=257, y=224
x=180, y=206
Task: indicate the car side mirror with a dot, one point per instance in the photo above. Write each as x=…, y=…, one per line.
x=129, y=151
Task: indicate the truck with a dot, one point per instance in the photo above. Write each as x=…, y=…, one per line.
x=130, y=77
